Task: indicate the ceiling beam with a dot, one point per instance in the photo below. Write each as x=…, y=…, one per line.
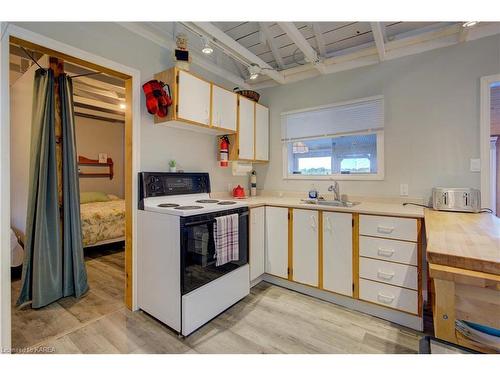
x=320, y=40
x=296, y=36
x=237, y=48
x=378, y=36
x=399, y=47
x=196, y=58
x=264, y=28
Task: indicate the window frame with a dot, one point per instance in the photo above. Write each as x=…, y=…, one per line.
x=379, y=176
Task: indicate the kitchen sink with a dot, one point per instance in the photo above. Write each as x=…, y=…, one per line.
x=332, y=203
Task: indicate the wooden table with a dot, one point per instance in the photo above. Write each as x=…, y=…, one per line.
x=463, y=252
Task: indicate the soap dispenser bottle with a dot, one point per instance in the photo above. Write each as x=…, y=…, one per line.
x=313, y=193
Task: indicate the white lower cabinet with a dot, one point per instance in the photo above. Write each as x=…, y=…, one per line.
x=305, y=247
x=277, y=241
x=337, y=253
x=257, y=242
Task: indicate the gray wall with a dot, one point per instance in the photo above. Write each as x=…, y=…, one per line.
x=193, y=151
x=431, y=117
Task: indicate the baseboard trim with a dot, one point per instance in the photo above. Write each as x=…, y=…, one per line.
x=398, y=317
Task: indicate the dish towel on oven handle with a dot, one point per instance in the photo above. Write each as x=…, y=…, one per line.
x=226, y=239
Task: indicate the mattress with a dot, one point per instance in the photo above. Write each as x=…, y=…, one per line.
x=102, y=221
x=16, y=251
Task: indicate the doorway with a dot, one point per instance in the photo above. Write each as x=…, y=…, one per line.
x=490, y=143
x=131, y=82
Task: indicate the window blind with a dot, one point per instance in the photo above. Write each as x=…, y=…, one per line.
x=349, y=117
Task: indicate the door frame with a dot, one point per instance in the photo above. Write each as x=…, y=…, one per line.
x=132, y=161
x=484, y=138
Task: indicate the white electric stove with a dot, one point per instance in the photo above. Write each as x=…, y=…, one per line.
x=190, y=204
x=178, y=280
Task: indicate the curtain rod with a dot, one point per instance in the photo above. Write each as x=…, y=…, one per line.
x=36, y=62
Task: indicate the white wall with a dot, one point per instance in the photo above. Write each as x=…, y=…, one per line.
x=193, y=151
x=94, y=137
x=431, y=114
x=21, y=99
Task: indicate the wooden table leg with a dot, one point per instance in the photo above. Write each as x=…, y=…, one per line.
x=444, y=310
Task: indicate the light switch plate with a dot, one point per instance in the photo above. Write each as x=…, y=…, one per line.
x=475, y=165
x=403, y=190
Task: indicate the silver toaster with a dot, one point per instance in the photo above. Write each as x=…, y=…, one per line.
x=456, y=199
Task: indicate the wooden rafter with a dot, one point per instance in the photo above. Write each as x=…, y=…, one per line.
x=320, y=40
x=213, y=31
x=296, y=36
x=378, y=36
x=264, y=28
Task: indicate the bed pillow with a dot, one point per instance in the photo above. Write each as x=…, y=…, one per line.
x=113, y=197
x=93, y=196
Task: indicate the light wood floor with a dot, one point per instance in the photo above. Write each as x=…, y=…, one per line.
x=270, y=320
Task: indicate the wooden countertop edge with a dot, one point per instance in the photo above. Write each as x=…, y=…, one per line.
x=461, y=262
x=463, y=276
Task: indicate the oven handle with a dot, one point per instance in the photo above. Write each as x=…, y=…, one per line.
x=201, y=222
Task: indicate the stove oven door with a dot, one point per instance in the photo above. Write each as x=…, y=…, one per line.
x=198, y=250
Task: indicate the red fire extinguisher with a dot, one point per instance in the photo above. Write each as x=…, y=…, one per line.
x=224, y=151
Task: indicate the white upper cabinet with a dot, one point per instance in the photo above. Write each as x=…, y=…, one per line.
x=261, y=133
x=246, y=130
x=305, y=247
x=337, y=252
x=224, y=108
x=193, y=99
x=277, y=241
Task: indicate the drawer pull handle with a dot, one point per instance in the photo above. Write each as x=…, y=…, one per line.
x=385, y=252
x=385, y=298
x=386, y=230
x=385, y=275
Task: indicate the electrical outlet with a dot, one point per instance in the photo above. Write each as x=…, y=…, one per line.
x=403, y=190
x=475, y=165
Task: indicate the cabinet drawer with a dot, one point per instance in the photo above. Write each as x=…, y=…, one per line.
x=388, y=295
x=392, y=250
x=387, y=272
x=388, y=227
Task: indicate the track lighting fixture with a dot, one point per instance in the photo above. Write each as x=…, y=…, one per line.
x=470, y=23
x=207, y=48
x=254, y=71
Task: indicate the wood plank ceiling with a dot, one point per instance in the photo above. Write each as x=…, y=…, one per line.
x=337, y=36
x=291, y=51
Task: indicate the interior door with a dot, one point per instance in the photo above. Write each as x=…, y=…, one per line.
x=224, y=108
x=305, y=246
x=194, y=99
x=246, y=129
x=277, y=241
x=337, y=252
x=261, y=132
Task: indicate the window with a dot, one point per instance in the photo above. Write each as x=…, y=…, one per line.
x=343, y=141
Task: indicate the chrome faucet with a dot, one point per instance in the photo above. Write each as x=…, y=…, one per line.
x=335, y=189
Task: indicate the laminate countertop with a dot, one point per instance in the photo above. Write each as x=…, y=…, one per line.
x=463, y=240
x=365, y=207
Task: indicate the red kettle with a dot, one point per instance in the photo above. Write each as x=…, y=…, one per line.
x=238, y=192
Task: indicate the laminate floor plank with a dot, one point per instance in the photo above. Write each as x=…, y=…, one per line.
x=269, y=320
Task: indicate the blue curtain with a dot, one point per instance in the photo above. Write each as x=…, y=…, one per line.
x=54, y=265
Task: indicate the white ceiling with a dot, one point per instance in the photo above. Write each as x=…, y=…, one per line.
x=280, y=47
